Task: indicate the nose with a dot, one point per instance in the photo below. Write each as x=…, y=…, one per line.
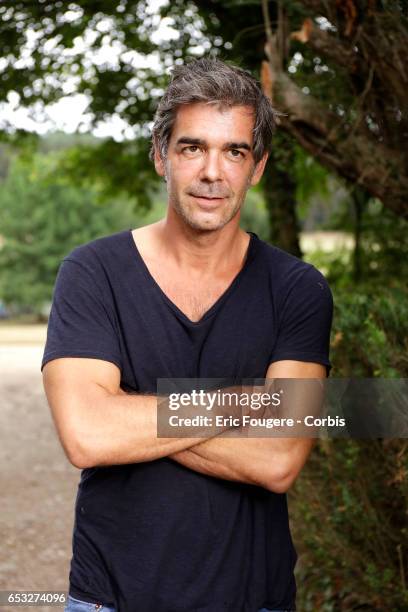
x=212, y=169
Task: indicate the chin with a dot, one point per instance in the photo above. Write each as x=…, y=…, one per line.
x=205, y=222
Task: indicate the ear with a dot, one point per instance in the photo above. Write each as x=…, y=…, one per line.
x=158, y=161
x=259, y=170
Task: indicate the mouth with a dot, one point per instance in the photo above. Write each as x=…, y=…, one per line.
x=208, y=202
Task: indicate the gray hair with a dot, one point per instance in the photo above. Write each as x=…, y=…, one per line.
x=214, y=82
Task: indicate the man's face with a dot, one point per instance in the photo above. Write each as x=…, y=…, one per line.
x=209, y=164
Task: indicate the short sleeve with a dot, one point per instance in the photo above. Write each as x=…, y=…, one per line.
x=81, y=321
x=305, y=320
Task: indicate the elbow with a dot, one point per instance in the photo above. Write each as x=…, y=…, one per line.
x=77, y=453
x=279, y=486
x=79, y=461
x=280, y=480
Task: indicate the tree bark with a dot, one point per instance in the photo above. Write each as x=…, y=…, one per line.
x=279, y=189
x=360, y=200
x=375, y=159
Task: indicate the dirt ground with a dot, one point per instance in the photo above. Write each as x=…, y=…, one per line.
x=38, y=484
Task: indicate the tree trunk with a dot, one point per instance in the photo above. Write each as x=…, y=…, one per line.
x=360, y=199
x=279, y=192
x=365, y=144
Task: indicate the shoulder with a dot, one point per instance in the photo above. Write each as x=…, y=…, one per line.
x=92, y=265
x=96, y=253
x=288, y=273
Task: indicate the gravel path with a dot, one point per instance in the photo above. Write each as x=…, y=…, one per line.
x=38, y=484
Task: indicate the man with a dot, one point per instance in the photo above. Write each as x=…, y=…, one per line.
x=184, y=524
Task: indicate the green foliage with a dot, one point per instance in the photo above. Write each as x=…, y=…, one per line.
x=311, y=179
x=117, y=168
x=348, y=513
x=349, y=507
x=370, y=331
x=383, y=249
x=384, y=244
x=42, y=218
x=254, y=217
x=57, y=27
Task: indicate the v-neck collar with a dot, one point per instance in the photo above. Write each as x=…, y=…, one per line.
x=217, y=304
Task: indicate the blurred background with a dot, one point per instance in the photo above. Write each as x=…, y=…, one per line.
x=79, y=83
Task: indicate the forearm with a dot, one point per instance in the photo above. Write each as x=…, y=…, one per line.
x=122, y=428
x=104, y=428
x=125, y=431
x=272, y=463
x=198, y=463
x=103, y=425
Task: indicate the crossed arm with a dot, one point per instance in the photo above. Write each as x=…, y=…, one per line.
x=98, y=425
x=273, y=462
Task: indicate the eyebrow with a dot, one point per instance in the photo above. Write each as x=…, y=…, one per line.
x=238, y=145
x=190, y=141
x=201, y=142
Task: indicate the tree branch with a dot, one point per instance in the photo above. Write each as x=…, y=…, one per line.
x=327, y=44
x=322, y=133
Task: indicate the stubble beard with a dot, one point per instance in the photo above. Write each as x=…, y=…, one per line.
x=187, y=215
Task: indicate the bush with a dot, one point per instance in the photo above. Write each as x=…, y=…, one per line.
x=349, y=507
x=370, y=331
x=42, y=218
x=349, y=513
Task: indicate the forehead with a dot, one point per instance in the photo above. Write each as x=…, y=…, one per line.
x=214, y=123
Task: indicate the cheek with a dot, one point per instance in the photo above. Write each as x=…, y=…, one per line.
x=184, y=171
x=239, y=179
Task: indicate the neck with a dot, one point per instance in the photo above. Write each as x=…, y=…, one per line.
x=202, y=251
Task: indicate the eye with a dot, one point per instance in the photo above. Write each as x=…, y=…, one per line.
x=236, y=153
x=191, y=149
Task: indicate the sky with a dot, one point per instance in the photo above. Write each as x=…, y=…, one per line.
x=70, y=114
x=71, y=109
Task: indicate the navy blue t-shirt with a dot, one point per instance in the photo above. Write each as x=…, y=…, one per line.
x=156, y=536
